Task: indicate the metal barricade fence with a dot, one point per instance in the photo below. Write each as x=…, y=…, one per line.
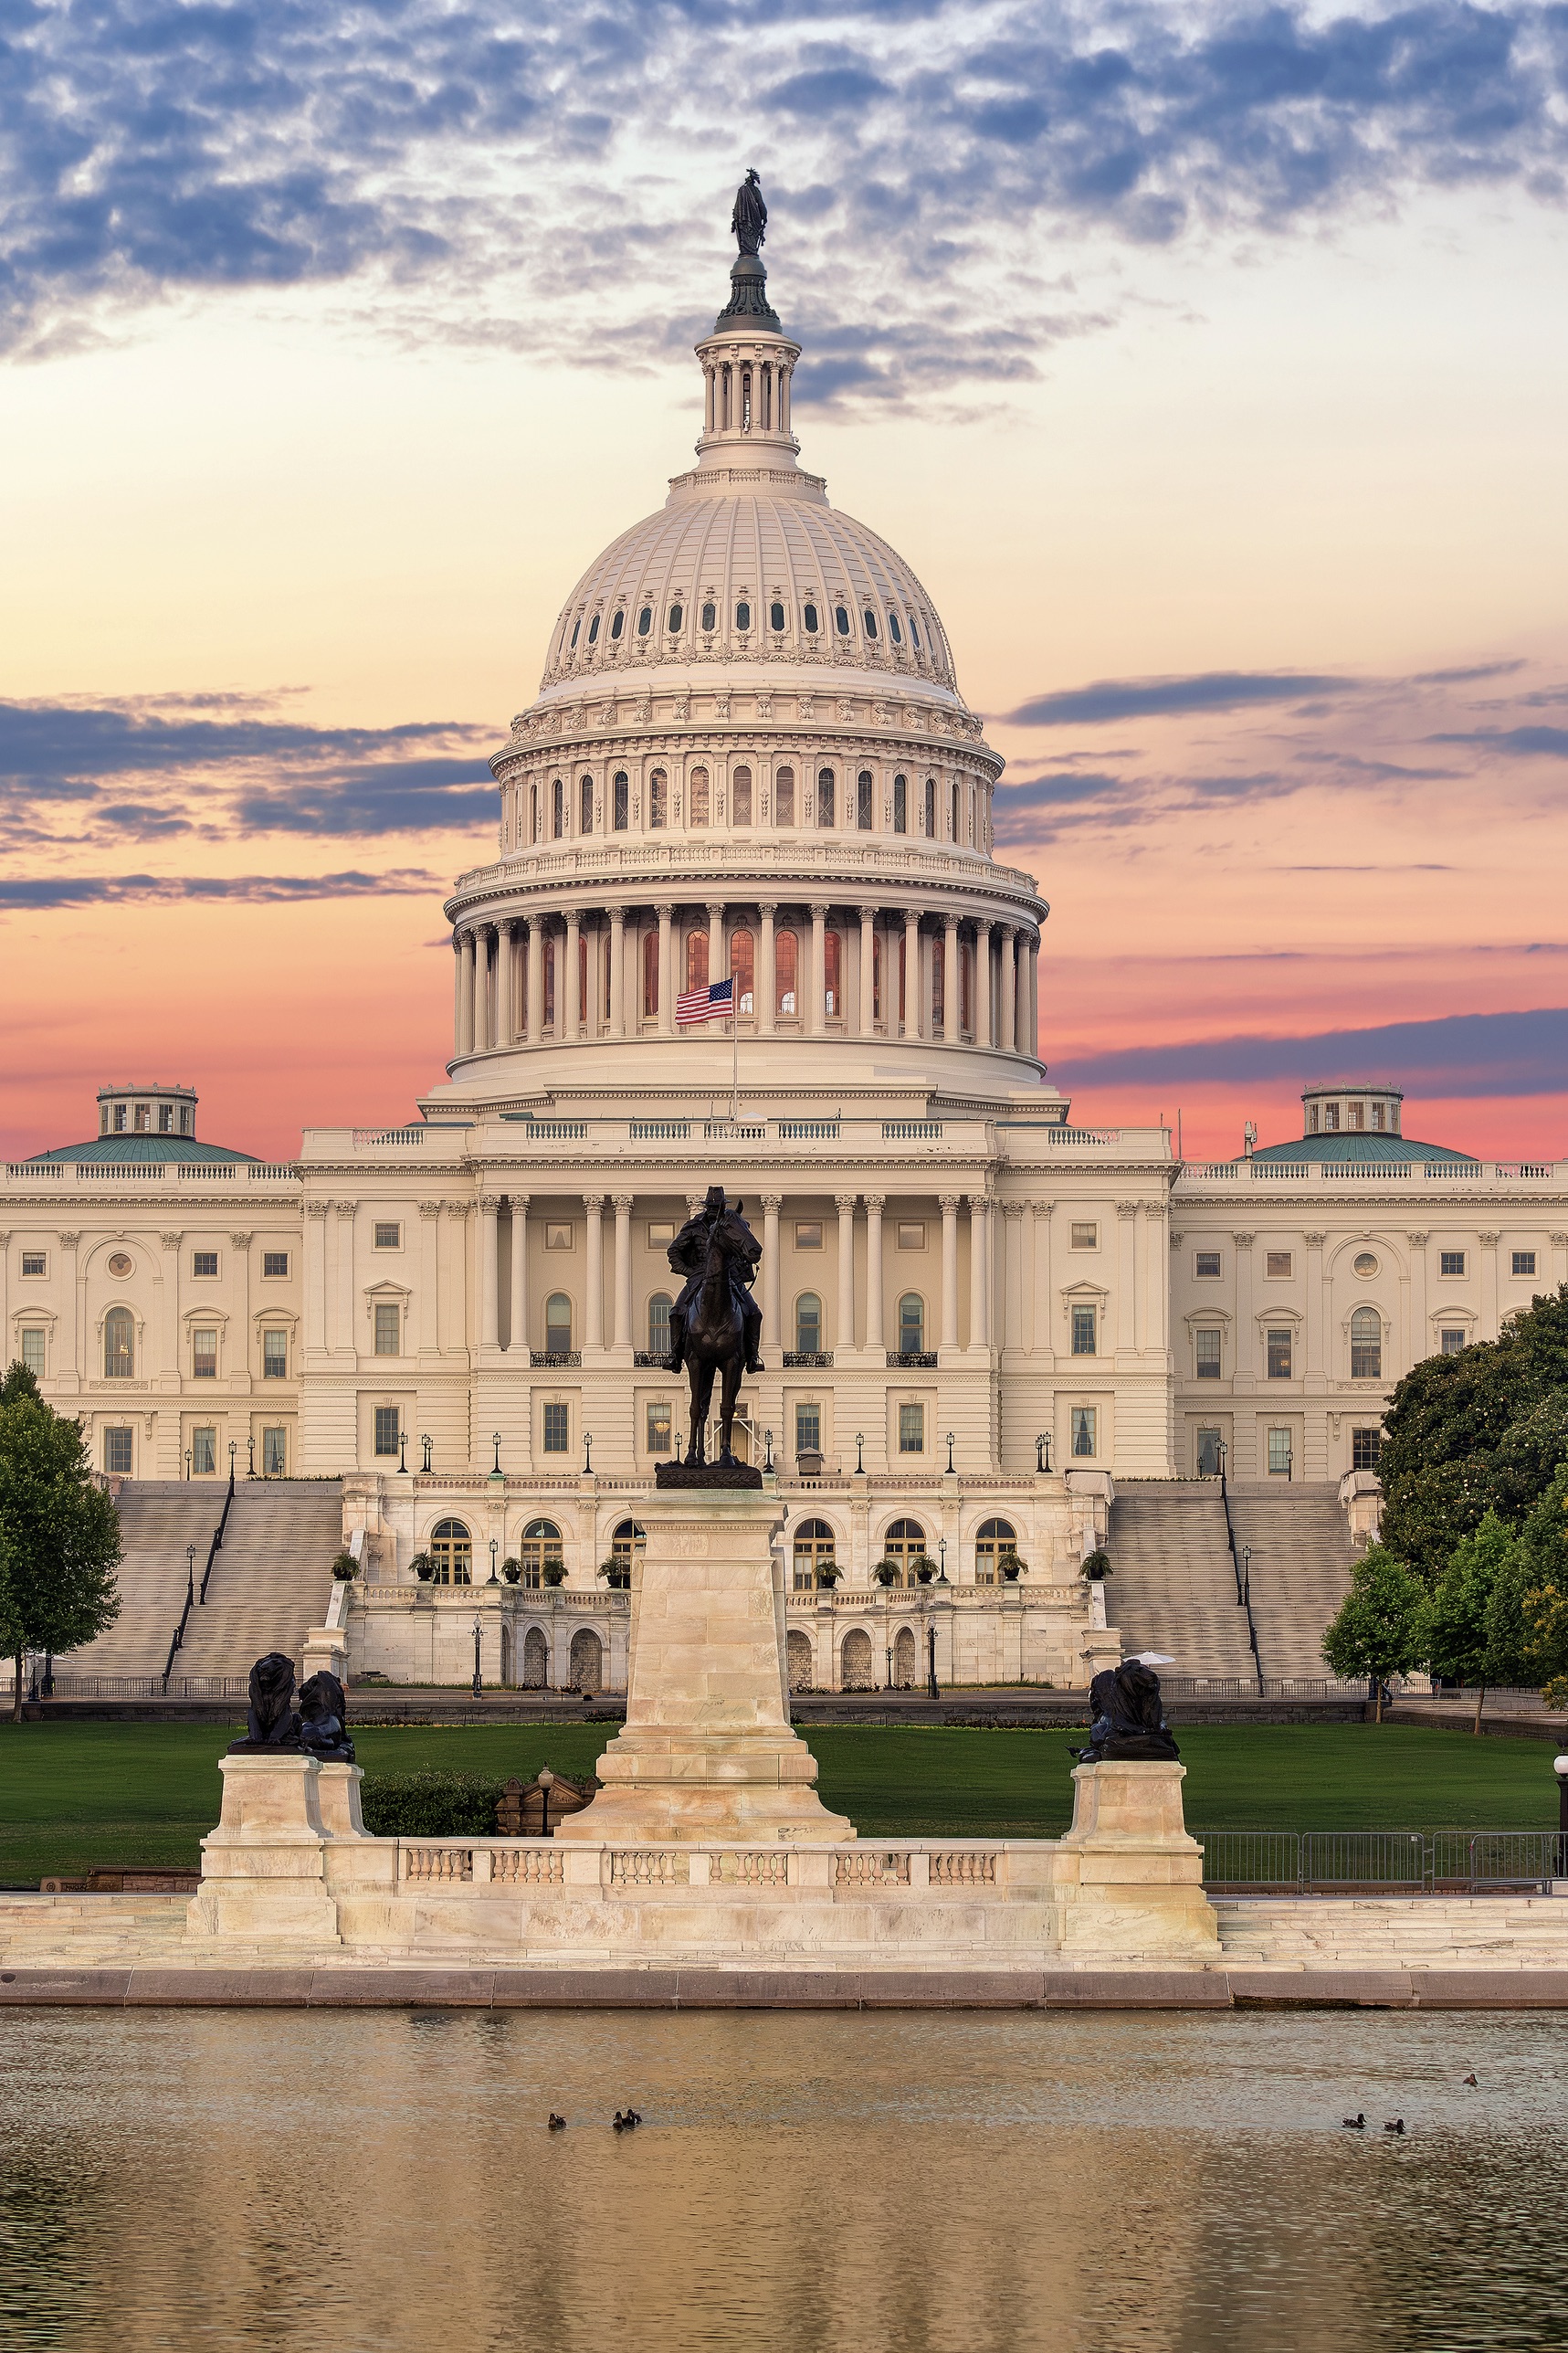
x=1351, y=1863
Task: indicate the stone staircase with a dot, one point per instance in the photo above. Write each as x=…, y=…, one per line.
x=158, y=1518
x=1395, y=1932
x=271, y=1581
x=1300, y=1570
x=1172, y=1586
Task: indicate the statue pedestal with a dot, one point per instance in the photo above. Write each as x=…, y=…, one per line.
x=263, y=1868
x=708, y=1752
x=1130, y=1878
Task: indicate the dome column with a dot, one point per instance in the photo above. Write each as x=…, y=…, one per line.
x=617, y=972
x=1009, y=990
x=573, y=999
x=913, y=977
x=1031, y=1040
x=818, y=981
x=666, y=998
x=535, y=979
x=767, y=977
x=868, y=1023
x=952, y=996
x=717, y=965
x=984, y=1026
x=481, y=1015
x=459, y=988
x=506, y=983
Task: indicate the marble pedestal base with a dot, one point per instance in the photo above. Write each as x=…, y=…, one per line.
x=708, y=1752
x=264, y=1870
x=1130, y=1877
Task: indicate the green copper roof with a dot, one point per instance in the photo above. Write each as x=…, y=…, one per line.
x=1392, y=1151
x=125, y=1148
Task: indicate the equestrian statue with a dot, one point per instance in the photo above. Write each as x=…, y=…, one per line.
x=715, y=1326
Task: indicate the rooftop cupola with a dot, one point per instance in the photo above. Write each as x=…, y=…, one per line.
x=747, y=363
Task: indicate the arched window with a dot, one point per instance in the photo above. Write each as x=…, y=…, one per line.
x=869, y=617
x=118, y=1345
x=451, y=1554
x=783, y=796
x=915, y=631
x=743, y=968
x=696, y=960
x=676, y=617
x=900, y=805
x=904, y=1544
x=623, y=800
x=854, y=1661
x=658, y=798
x=659, y=1309
x=740, y=796
x=875, y=976
x=628, y=1543
x=929, y=827
x=534, y=813
x=649, y=974
x=575, y=627
x=832, y=967
x=995, y=1537
x=548, y=980
x=645, y=620
x=1366, y=1344
x=826, y=798
x=776, y=615
x=863, y=790
x=593, y=630
x=841, y=619
x=586, y=1665
x=911, y=1324
x=558, y=807
x=710, y=616
x=808, y=1324
x=810, y=615
x=787, y=954
x=813, y=1552
x=953, y=811
x=743, y=616
x=535, y=1660
x=894, y=631
x=558, y=1324
x=585, y=805
x=617, y=626
x=699, y=781
x=541, y=1550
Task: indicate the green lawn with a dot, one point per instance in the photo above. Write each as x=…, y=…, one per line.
x=71, y=1795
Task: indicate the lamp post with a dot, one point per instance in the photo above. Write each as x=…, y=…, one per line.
x=251, y=1443
x=187, y=1462
x=1246, y=1575
x=492, y=1578
x=425, y=1466
x=768, y=1444
x=402, y=1452
x=478, y=1685
x=1043, y=1451
x=495, y=1440
x=1560, y=1767
x=950, y=1442
x=859, y=1454
x=888, y=1650
x=233, y=1451
x=190, y=1575
x=546, y=1783
x=931, y=1677
x=941, y=1562
x=587, y=1455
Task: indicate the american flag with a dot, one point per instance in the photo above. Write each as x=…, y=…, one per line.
x=709, y=1004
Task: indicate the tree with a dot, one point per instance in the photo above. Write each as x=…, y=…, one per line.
x=1453, y=1630
x=1376, y=1632
x=20, y=1381
x=1544, y=1546
x=60, y=1536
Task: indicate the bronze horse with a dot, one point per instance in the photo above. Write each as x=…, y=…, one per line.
x=714, y=1323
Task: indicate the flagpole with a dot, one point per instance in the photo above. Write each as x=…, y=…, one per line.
x=735, y=1057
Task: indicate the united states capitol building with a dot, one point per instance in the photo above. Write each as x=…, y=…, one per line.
x=749, y=757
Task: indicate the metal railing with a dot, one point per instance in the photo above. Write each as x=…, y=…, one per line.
x=1348, y=1862
x=216, y=1545
x=1243, y=1582
x=142, y=1686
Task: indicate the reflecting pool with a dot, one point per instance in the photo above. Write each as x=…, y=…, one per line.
x=346, y=2181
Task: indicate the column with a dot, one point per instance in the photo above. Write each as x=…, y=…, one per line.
x=952, y=995
x=950, y=1269
x=1420, y=1343
x=717, y=962
x=1559, y=1269
x=622, y=1269
x=666, y=994
x=239, y=1348
x=506, y=983
x=345, y=1336
x=844, y=1335
x=1157, y=1268
x=771, y=1325
x=867, y=1027
x=573, y=999
x=480, y=1016
x=979, y=1287
x=1012, y=1274
x=1315, y=1306
x=520, y=1272
x=1043, y=1339
x=459, y=991
x=1009, y=990
x=985, y=1024
x=594, y=1316
x=535, y=979
x=489, y=1273
x=428, y=1306
x=169, y=1333
x=1032, y=1020
x=1244, y=1361
x=1126, y=1276
x=818, y=982
x=913, y=978
x=315, y=1276
x=767, y=976
x=874, y=1271
x=1489, y=1243
x=617, y=972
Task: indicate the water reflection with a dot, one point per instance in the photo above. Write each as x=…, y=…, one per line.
x=1182, y=2185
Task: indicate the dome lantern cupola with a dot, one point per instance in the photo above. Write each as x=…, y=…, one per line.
x=747, y=363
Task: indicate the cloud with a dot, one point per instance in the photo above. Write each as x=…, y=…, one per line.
x=1466, y=1054
x=1542, y=743
x=254, y=889
x=1142, y=698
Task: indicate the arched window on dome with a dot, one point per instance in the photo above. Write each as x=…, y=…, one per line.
x=740, y=796
x=966, y=988
x=876, y=977
x=929, y=813
x=576, y=625
x=593, y=630
x=777, y=616
x=644, y=621
x=617, y=626
x=699, y=795
x=894, y=631
x=623, y=791
x=841, y=619
x=811, y=618
x=743, y=968
x=783, y=796
x=832, y=975
x=709, y=617
x=743, y=616
x=695, y=959
x=677, y=615
x=869, y=617
x=658, y=798
x=826, y=798
x=863, y=786
x=650, y=975
x=534, y=813
x=953, y=811
x=558, y=807
x=787, y=954
x=901, y=804
x=586, y=805
x=550, y=980
x=915, y=632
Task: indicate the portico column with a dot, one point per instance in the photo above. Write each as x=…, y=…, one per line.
x=169, y=1334
x=1488, y=1285
x=622, y=1269
x=718, y=964
x=913, y=982
x=1031, y=1045
x=574, y=975
x=481, y=989
x=867, y=1025
x=843, y=1337
x=950, y=1269
x=666, y=994
x=315, y=1277
x=489, y=1273
x=1420, y=1344
x=430, y=1331
x=1244, y=1362
x=770, y=1205
x=459, y=991
x=1042, y=1339
x=617, y=972
x=952, y=992
x=506, y=994
x=1012, y=1274
x=535, y=979
x=874, y=1271
x=594, y=1205
x=817, y=983
x=984, y=1031
x=1315, y=1306
x=518, y=1338
x=767, y=979
x=1009, y=990
x=979, y=1287
x=1126, y=1277
x=345, y=1336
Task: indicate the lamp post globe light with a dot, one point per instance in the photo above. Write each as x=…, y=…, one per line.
x=477, y=1686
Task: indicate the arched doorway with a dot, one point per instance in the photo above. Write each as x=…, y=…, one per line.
x=797, y=1659
x=451, y=1554
x=588, y=1661
x=813, y=1552
x=904, y=1658
x=535, y=1660
x=995, y=1537
x=854, y=1661
x=905, y=1543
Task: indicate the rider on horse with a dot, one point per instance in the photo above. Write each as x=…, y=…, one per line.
x=689, y=1256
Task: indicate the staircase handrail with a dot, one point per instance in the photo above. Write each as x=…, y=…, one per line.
x=216, y=1545
x=1243, y=1584
x=180, y=1630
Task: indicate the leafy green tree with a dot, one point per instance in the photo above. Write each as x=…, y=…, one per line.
x=20, y=1381
x=1544, y=1547
x=1376, y=1633
x=1453, y=1629
x=60, y=1536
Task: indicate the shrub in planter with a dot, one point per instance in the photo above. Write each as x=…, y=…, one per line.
x=923, y=1567
x=512, y=1571
x=828, y=1574
x=1011, y=1566
x=431, y=1805
x=617, y=1574
x=423, y=1566
x=556, y=1572
x=887, y=1572
x=346, y=1568
x=1095, y=1563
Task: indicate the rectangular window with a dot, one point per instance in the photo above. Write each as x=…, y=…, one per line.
x=274, y=1262
x=1279, y=1454
x=1208, y=1354
x=557, y=1429
x=1450, y=1262
x=660, y=1426
x=1451, y=1342
x=1377, y=1117
x=1279, y=1356
x=35, y=1262
x=1358, y=1115
x=1524, y=1261
x=808, y=1430
x=1206, y=1265
x=660, y=1233
x=1083, y=1331
x=912, y=1430
x=557, y=1237
x=275, y=1356
x=1366, y=1448
x=387, y=1426
x=204, y=1356
x=1277, y=1264
x=165, y=1119
x=1331, y=1117
x=808, y=1236
x=911, y=1238
x=204, y=1263
x=204, y=1454
x=117, y=1452
x=623, y=800
x=1085, y=1419
x=387, y=1334
x=33, y=1344
x=1086, y=1237
x=388, y=1234
x=274, y=1453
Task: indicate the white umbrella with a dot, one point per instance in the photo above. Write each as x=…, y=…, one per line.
x=1150, y=1659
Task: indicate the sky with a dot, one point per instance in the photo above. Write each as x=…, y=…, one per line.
x=1209, y=365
